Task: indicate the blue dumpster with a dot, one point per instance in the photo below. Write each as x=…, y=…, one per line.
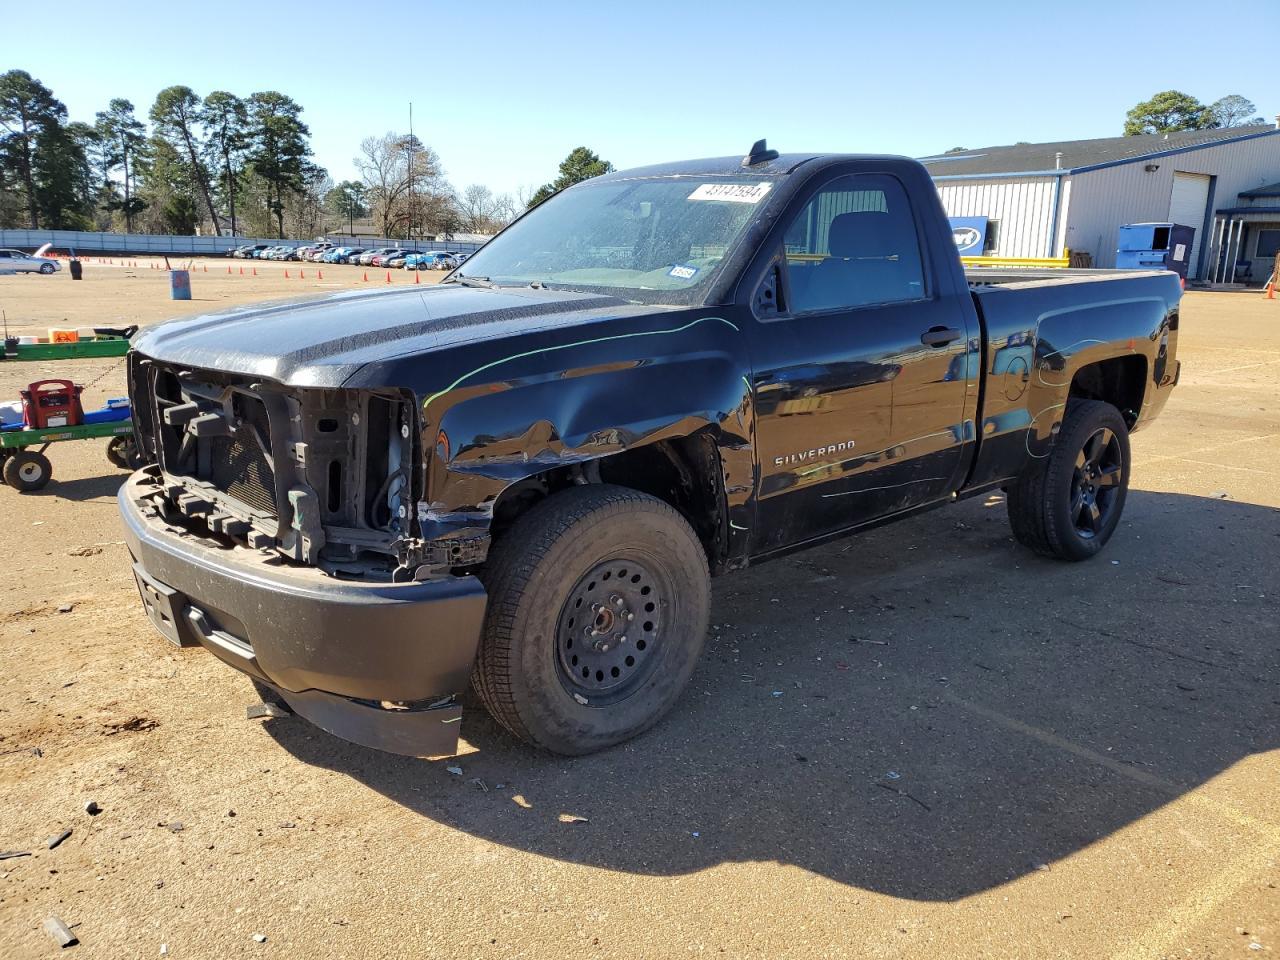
x=179, y=285
x=1155, y=246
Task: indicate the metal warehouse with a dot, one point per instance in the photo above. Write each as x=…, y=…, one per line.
x=1043, y=199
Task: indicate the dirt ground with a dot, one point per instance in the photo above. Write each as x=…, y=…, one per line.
x=921, y=742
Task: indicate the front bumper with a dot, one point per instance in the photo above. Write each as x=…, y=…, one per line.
x=334, y=650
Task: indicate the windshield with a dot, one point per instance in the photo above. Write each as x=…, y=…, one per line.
x=670, y=235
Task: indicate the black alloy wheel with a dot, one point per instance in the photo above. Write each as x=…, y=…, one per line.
x=1096, y=484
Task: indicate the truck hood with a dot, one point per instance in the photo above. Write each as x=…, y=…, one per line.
x=322, y=341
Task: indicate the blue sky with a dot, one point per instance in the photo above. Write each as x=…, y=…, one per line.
x=502, y=91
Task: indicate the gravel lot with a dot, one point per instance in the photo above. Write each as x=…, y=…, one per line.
x=921, y=742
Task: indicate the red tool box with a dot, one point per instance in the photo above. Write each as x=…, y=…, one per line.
x=52, y=403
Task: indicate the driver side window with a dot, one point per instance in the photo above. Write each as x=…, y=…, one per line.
x=854, y=244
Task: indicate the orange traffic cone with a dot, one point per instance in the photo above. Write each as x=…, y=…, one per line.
x=242, y=271
x=255, y=271
x=302, y=274
x=1271, y=291
x=388, y=276
x=319, y=274
x=416, y=277
x=365, y=279
x=206, y=268
x=228, y=269
x=286, y=273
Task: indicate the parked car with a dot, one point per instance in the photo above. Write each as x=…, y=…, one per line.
x=366, y=258
x=445, y=261
x=380, y=259
x=15, y=261
x=424, y=261
x=757, y=363
x=396, y=260
x=309, y=250
x=250, y=251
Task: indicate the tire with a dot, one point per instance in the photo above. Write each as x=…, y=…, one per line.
x=27, y=470
x=123, y=452
x=1069, y=504
x=645, y=565
x=46, y=268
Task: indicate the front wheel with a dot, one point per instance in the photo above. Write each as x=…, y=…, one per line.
x=46, y=268
x=598, y=605
x=27, y=470
x=1068, y=504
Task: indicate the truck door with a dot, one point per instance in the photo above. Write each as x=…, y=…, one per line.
x=860, y=374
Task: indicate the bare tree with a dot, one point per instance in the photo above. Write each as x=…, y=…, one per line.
x=524, y=194
x=404, y=183
x=482, y=212
x=505, y=209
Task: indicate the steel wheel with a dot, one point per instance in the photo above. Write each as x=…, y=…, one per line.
x=1096, y=482
x=610, y=630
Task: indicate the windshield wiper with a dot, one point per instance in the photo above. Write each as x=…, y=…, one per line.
x=471, y=281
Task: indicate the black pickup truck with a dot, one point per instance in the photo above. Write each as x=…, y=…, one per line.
x=523, y=478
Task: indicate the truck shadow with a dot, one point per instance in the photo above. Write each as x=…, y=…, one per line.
x=925, y=711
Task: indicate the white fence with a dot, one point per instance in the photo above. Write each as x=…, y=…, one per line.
x=82, y=242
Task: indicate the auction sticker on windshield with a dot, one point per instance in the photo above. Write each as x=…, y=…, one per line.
x=733, y=192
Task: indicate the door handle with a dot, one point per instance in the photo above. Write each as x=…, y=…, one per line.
x=939, y=336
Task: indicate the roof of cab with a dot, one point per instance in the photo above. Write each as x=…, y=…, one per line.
x=732, y=166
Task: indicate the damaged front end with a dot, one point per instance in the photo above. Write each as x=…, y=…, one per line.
x=322, y=477
x=274, y=529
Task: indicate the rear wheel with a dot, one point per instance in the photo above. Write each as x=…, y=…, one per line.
x=27, y=470
x=123, y=452
x=1069, y=504
x=598, y=607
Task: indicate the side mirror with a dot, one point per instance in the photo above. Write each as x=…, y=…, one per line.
x=768, y=295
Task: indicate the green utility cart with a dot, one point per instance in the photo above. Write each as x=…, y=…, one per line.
x=51, y=412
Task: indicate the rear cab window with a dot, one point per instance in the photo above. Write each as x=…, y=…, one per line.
x=854, y=244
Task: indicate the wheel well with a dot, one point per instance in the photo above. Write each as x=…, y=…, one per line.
x=684, y=472
x=1119, y=381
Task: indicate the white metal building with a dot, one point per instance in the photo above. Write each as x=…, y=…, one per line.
x=1041, y=198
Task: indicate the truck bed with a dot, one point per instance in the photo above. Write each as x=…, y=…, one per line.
x=1006, y=276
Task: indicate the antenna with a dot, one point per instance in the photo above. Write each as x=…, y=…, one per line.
x=411, y=173
x=760, y=153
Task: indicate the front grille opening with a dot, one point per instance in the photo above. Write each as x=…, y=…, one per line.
x=349, y=453
x=239, y=468
x=335, y=486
